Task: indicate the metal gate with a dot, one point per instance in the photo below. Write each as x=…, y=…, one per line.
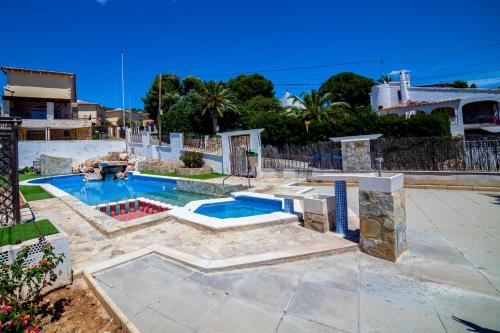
x=240, y=145
x=9, y=182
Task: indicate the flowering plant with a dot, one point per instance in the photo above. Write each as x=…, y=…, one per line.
x=21, y=286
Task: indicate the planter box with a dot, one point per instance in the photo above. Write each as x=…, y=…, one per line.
x=193, y=171
x=319, y=212
x=59, y=241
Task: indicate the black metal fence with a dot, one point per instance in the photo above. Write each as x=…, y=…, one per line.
x=321, y=155
x=400, y=154
x=436, y=154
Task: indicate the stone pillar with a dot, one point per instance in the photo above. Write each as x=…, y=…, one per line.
x=176, y=145
x=5, y=108
x=50, y=110
x=382, y=216
x=356, y=155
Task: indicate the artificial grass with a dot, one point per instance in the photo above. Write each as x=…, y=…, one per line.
x=26, y=176
x=173, y=174
x=33, y=193
x=22, y=232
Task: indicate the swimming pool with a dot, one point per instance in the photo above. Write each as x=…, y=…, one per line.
x=241, y=206
x=98, y=192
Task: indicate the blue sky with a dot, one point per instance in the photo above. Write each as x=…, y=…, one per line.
x=211, y=38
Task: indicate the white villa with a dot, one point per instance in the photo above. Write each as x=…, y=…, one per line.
x=471, y=110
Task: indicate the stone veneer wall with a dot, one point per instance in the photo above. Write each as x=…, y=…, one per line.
x=319, y=222
x=356, y=156
x=383, y=224
x=51, y=165
x=207, y=188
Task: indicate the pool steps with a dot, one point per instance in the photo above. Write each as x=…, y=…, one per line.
x=131, y=206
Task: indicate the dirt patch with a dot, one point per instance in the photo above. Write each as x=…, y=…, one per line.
x=76, y=309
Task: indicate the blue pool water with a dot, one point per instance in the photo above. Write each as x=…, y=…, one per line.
x=241, y=207
x=96, y=192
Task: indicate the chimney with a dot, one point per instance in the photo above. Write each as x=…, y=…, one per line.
x=404, y=83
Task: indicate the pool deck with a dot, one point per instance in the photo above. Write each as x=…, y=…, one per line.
x=448, y=282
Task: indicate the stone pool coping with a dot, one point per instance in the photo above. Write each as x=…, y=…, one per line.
x=107, y=225
x=188, y=216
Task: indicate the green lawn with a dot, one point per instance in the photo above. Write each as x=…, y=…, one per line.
x=26, y=176
x=21, y=232
x=32, y=193
x=173, y=174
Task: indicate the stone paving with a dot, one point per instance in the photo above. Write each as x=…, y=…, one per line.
x=448, y=282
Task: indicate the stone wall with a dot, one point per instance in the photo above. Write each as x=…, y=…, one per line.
x=356, y=156
x=382, y=224
x=78, y=150
x=52, y=165
x=202, y=187
x=193, y=171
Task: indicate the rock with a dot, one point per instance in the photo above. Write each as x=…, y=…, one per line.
x=120, y=175
x=93, y=177
x=76, y=167
x=87, y=169
x=113, y=156
x=89, y=162
x=130, y=168
x=123, y=156
x=96, y=163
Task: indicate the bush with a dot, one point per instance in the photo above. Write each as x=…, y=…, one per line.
x=21, y=286
x=192, y=159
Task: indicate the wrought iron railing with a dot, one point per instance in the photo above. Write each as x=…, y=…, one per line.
x=204, y=144
x=321, y=155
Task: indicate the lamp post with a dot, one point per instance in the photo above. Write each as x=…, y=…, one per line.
x=123, y=89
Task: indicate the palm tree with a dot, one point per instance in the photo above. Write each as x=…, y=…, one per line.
x=384, y=79
x=315, y=106
x=217, y=101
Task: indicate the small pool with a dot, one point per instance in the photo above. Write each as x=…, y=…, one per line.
x=242, y=206
x=97, y=192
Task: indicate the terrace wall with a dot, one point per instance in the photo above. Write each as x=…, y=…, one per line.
x=78, y=150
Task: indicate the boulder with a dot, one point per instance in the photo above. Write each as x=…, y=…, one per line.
x=76, y=167
x=123, y=156
x=113, y=156
x=93, y=176
x=89, y=162
x=120, y=175
x=95, y=165
x=130, y=168
x=87, y=169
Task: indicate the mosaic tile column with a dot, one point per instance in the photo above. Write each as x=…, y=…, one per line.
x=289, y=206
x=341, y=226
x=382, y=223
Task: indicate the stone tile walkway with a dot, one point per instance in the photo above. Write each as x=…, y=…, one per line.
x=448, y=282
x=89, y=246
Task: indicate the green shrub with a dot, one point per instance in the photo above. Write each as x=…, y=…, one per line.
x=192, y=159
x=21, y=286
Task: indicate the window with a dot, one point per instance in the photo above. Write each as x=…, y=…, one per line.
x=380, y=107
x=66, y=133
x=399, y=95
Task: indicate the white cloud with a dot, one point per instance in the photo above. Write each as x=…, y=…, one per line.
x=491, y=82
x=396, y=72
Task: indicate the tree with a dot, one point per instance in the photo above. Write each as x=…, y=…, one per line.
x=192, y=83
x=170, y=83
x=246, y=87
x=348, y=87
x=459, y=84
x=384, y=79
x=262, y=104
x=217, y=101
x=314, y=106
